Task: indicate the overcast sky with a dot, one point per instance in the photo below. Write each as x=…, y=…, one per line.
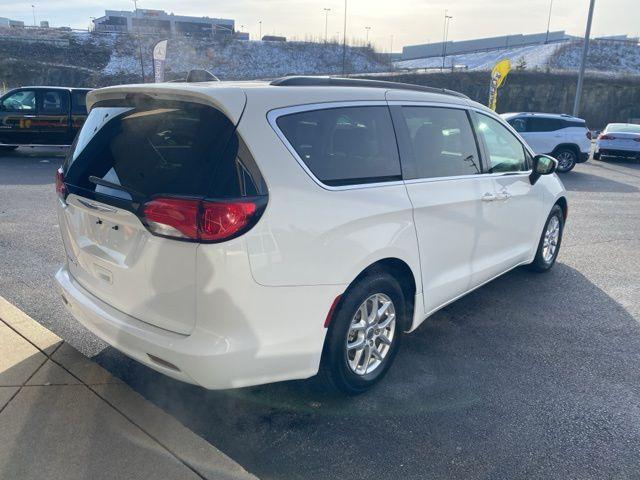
x=408, y=21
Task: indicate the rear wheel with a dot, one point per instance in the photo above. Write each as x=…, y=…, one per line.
x=567, y=159
x=364, y=334
x=549, y=244
x=596, y=155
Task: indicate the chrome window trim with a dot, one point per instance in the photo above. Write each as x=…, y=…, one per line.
x=468, y=177
x=273, y=115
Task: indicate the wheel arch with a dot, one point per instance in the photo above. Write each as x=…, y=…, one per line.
x=405, y=276
x=569, y=146
x=562, y=203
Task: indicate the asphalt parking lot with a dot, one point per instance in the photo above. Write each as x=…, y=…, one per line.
x=534, y=376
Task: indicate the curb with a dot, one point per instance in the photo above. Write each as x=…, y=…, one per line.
x=191, y=450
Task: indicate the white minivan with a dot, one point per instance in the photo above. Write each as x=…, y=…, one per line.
x=237, y=233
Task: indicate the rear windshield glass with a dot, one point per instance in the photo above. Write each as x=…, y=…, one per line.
x=346, y=145
x=172, y=148
x=623, y=128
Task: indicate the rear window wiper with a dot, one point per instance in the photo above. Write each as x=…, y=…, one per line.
x=106, y=183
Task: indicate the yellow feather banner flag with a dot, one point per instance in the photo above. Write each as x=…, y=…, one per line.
x=498, y=75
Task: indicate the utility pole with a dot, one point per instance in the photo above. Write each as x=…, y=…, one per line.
x=135, y=5
x=344, y=40
x=583, y=63
x=549, y=22
x=444, y=37
x=367, y=29
x=326, y=23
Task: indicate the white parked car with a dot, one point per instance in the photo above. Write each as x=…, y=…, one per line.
x=234, y=234
x=564, y=137
x=618, y=140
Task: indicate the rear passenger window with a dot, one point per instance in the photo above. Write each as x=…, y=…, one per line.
x=79, y=102
x=54, y=102
x=346, y=145
x=441, y=142
x=544, y=124
x=174, y=148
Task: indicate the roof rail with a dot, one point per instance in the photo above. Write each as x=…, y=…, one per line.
x=308, y=81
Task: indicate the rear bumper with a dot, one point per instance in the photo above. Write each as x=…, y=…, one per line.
x=608, y=152
x=204, y=357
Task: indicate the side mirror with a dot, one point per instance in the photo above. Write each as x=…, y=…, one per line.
x=542, y=165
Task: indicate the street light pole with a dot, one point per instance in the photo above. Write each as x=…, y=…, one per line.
x=33, y=10
x=344, y=40
x=444, y=37
x=135, y=5
x=367, y=29
x=260, y=36
x=326, y=23
x=583, y=63
x=549, y=22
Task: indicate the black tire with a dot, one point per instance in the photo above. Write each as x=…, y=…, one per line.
x=539, y=263
x=567, y=158
x=335, y=371
x=596, y=155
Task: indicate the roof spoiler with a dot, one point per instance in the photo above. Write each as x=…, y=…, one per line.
x=197, y=75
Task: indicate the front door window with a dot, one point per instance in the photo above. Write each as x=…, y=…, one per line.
x=21, y=101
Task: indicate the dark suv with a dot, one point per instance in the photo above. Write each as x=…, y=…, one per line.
x=41, y=116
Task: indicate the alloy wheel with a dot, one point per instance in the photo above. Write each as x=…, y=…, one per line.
x=371, y=334
x=551, y=237
x=565, y=159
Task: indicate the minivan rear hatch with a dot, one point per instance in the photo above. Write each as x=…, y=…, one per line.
x=137, y=146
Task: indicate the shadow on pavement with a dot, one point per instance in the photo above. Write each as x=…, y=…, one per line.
x=30, y=166
x=518, y=379
x=578, y=181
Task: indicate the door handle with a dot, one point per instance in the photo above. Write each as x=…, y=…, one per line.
x=504, y=195
x=488, y=197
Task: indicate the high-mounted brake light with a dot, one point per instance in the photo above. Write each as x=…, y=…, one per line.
x=61, y=188
x=199, y=220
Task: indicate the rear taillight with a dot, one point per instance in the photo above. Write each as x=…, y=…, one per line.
x=61, y=188
x=604, y=136
x=199, y=220
x=589, y=135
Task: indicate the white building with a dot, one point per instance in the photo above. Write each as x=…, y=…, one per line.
x=8, y=23
x=427, y=50
x=159, y=21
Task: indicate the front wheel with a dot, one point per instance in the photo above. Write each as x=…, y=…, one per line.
x=567, y=159
x=364, y=334
x=549, y=244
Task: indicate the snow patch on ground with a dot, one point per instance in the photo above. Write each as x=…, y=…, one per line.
x=532, y=56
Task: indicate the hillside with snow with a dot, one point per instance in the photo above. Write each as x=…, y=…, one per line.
x=604, y=56
x=48, y=56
